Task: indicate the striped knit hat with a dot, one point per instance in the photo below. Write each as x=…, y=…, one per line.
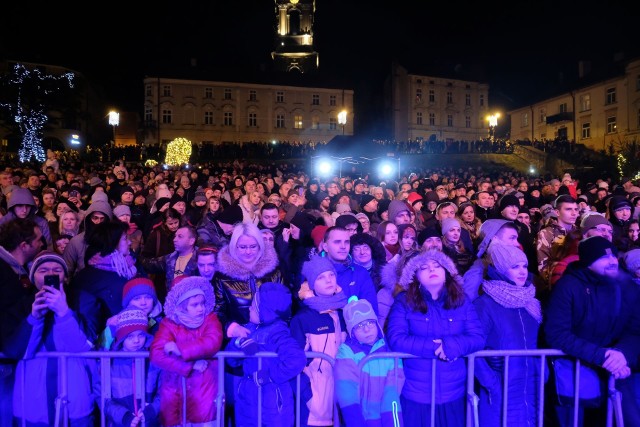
x=43, y=257
x=130, y=320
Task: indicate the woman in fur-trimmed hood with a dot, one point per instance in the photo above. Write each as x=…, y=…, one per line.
x=433, y=319
x=242, y=266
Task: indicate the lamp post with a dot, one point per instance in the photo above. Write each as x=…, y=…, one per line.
x=493, y=122
x=342, y=119
x=114, y=120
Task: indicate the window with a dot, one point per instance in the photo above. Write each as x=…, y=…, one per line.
x=148, y=91
x=432, y=119
x=611, y=124
x=482, y=100
x=279, y=121
x=148, y=114
x=227, y=94
x=432, y=95
x=315, y=122
x=253, y=95
x=333, y=123
x=167, y=116
x=332, y=100
x=450, y=120
x=611, y=96
x=418, y=95
x=166, y=90
x=585, y=102
x=449, y=97
x=419, y=118
x=586, y=130
x=208, y=92
x=562, y=107
x=253, y=120
x=467, y=122
x=419, y=81
x=208, y=117
x=279, y=96
x=315, y=99
x=543, y=115
x=467, y=100
x=297, y=121
x=228, y=118
x=525, y=119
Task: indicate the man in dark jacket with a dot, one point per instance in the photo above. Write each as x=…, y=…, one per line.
x=19, y=244
x=592, y=315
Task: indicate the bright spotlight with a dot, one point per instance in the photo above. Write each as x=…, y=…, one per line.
x=532, y=170
x=386, y=169
x=324, y=167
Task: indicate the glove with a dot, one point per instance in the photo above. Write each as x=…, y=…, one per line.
x=248, y=346
x=261, y=377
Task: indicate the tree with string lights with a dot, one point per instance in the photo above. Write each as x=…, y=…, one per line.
x=24, y=96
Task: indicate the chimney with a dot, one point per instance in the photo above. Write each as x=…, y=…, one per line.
x=584, y=68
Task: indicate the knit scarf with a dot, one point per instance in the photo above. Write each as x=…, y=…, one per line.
x=191, y=322
x=322, y=303
x=511, y=296
x=116, y=262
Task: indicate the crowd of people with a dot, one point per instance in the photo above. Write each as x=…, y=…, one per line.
x=186, y=262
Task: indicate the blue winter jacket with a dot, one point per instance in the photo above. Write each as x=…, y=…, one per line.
x=508, y=329
x=356, y=280
x=413, y=332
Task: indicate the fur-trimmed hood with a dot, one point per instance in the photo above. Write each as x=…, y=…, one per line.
x=184, y=285
x=409, y=271
x=233, y=268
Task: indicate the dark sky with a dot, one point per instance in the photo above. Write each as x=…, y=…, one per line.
x=520, y=49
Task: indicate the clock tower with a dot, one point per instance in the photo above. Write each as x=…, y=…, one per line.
x=294, y=36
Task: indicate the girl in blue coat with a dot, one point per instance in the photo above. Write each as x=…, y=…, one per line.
x=432, y=319
x=269, y=313
x=511, y=318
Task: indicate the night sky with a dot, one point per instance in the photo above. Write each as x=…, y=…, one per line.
x=523, y=50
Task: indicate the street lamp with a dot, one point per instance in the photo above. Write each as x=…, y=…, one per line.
x=342, y=119
x=114, y=120
x=493, y=122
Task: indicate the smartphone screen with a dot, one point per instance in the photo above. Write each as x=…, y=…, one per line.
x=52, y=280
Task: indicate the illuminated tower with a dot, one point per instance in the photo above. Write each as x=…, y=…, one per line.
x=294, y=36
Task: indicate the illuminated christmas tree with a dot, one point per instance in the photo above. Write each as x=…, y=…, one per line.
x=30, y=89
x=178, y=152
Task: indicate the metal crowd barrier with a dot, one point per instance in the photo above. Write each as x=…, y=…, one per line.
x=614, y=410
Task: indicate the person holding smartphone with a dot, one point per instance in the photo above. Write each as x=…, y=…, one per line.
x=54, y=326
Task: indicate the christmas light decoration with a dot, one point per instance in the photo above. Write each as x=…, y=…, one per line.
x=178, y=152
x=621, y=163
x=150, y=163
x=28, y=111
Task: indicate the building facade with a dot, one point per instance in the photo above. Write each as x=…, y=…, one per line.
x=423, y=108
x=596, y=115
x=207, y=112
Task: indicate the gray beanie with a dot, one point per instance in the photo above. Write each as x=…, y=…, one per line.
x=488, y=230
x=315, y=267
x=592, y=220
x=395, y=207
x=448, y=224
x=121, y=210
x=503, y=257
x=632, y=260
x=357, y=311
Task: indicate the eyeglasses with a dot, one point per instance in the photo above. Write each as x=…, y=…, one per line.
x=247, y=247
x=366, y=324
